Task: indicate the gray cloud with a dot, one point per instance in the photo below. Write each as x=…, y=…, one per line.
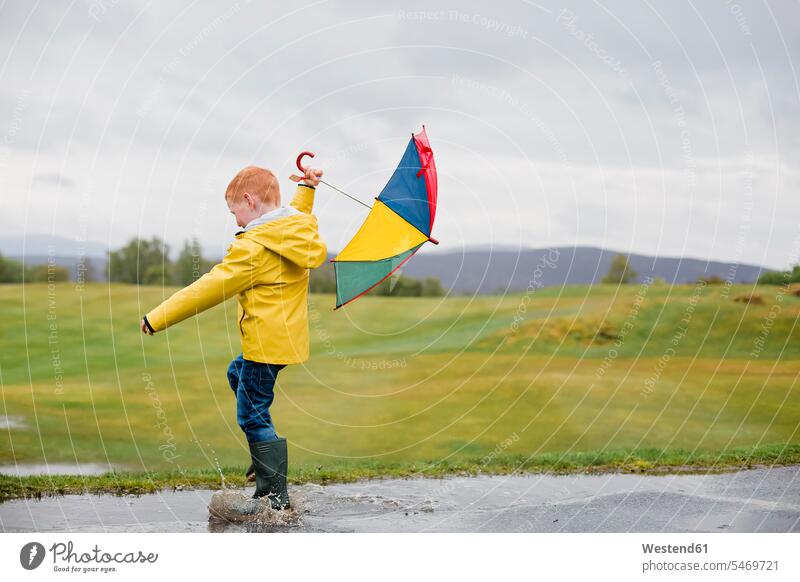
x=55, y=179
x=553, y=122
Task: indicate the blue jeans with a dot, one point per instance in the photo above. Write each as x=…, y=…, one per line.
x=253, y=384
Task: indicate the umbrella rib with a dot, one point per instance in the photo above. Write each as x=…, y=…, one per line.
x=364, y=204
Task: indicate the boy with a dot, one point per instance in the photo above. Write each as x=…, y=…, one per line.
x=267, y=267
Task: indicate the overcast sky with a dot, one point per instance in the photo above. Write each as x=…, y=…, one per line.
x=668, y=128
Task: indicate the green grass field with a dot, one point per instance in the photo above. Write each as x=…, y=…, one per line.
x=561, y=378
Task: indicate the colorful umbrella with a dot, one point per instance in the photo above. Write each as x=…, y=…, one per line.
x=398, y=224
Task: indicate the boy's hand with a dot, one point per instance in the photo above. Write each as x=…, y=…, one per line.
x=145, y=329
x=312, y=177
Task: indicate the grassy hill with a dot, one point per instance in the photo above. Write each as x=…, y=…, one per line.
x=589, y=373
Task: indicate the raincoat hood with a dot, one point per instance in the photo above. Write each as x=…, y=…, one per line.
x=294, y=237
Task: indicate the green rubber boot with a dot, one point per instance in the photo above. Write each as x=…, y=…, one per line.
x=271, y=460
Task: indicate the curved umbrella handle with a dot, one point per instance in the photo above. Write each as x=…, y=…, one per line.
x=300, y=166
x=300, y=160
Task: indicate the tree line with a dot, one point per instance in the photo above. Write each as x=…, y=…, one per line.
x=13, y=271
x=323, y=280
x=146, y=262
x=780, y=277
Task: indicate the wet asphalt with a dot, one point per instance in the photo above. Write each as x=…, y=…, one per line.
x=757, y=500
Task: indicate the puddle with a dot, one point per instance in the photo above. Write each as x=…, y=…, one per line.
x=761, y=500
x=9, y=422
x=27, y=469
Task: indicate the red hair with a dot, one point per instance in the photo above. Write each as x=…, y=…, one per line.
x=258, y=182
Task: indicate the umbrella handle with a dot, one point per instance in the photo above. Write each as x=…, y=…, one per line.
x=300, y=166
x=300, y=160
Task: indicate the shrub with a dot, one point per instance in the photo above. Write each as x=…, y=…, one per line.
x=750, y=299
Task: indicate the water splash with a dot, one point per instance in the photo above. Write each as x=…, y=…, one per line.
x=216, y=462
x=234, y=507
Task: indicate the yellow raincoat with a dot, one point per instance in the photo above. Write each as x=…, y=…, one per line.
x=267, y=267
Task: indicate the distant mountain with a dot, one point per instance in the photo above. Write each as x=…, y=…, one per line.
x=49, y=245
x=488, y=271
x=470, y=270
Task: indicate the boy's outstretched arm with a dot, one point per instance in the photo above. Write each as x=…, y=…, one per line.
x=304, y=196
x=233, y=275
